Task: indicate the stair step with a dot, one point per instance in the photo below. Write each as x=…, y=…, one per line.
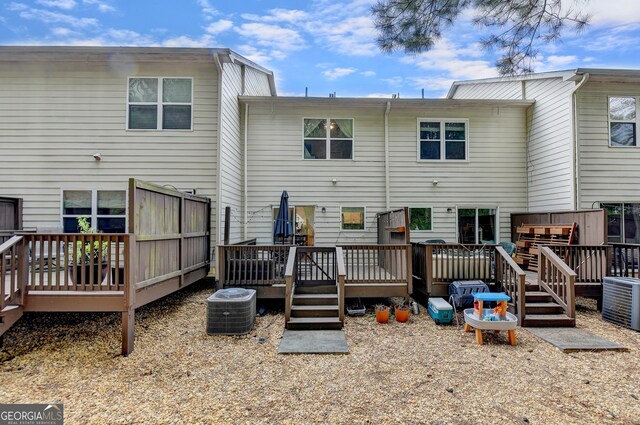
x=315, y=299
x=314, y=311
x=538, y=296
x=316, y=289
x=542, y=308
x=315, y=323
x=548, y=321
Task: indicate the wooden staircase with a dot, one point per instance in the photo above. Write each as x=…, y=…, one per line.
x=542, y=311
x=315, y=307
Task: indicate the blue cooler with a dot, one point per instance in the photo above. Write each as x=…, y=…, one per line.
x=440, y=310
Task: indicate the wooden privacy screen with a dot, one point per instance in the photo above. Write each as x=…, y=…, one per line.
x=172, y=235
x=393, y=227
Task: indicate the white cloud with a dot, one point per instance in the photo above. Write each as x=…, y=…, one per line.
x=394, y=81
x=611, y=41
x=257, y=55
x=379, y=95
x=439, y=84
x=353, y=36
x=184, y=41
x=279, y=15
x=207, y=10
x=64, y=32
x=335, y=73
x=49, y=17
x=101, y=5
x=219, y=26
x=61, y=4
x=612, y=12
x=368, y=73
x=279, y=40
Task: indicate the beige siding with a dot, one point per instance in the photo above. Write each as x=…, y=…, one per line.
x=56, y=115
x=550, y=145
x=494, y=176
x=495, y=90
x=606, y=174
x=232, y=142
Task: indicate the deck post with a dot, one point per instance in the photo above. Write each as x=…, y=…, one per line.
x=128, y=314
x=409, y=254
x=428, y=262
x=23, y=269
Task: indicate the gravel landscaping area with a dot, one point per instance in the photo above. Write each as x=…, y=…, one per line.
x=411, y=373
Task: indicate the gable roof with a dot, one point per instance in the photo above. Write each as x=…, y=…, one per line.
x=151, y=54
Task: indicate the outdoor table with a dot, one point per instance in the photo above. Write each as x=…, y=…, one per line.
x=498, y=319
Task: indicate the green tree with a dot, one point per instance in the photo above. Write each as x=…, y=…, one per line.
x=516, y=26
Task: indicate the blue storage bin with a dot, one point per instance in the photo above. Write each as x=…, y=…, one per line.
x=460, y=292
x=440, y=311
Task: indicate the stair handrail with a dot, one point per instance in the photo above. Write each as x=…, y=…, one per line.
x=289, y=278
x=512, y=278
x=14, y=254
x=557, y=279
x=342, y=276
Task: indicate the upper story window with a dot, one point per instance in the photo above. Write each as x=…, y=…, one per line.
x=622, y=121
x=159, y=104
x=328, y=138
x=440, y=139
x=106, y=210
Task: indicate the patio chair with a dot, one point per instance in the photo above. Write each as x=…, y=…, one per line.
x=509, y=247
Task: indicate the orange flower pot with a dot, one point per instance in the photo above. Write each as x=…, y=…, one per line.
x=382, y=314
x=402, y=313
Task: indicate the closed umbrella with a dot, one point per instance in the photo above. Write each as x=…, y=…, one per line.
x=283, y=226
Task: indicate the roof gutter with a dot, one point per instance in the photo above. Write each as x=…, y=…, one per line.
x=387, y=195
x=576, y=150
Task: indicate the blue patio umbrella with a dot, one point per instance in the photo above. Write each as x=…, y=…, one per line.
x=283, y=227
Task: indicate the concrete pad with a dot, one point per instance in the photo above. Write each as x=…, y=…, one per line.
x=313, y=342
x=574, y=339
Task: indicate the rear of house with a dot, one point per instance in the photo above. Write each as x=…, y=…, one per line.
x=459, y=165
x=78, y=122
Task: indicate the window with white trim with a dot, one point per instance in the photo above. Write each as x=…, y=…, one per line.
x=352, y=218
x=420, y=219
x=328, y=138
x=159, y=103
x=478, y=225
x=106, y=210
x=622, y=122
x=442, y=139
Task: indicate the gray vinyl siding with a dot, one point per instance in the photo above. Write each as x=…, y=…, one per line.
x=55, y=115
x=494, y=176
x=550, y=145
x=256, y=83
x=495, y=90
x=606, y=174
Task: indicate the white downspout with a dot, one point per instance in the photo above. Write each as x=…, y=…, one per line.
x=246, y=173
x=576, y=150
x=387, y=196
x=219, y=149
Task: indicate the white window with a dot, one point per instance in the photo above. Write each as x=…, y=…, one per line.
x=442, y=139
x=420, y=219
x=159, y=104
x=328, y=138
x=352, y=218
x=478, y=225
x=622, y=122
x=106, y=210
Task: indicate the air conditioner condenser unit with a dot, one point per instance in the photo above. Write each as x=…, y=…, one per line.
x=621, y=301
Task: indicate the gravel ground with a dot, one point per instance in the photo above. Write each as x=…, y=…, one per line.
x=411, y=373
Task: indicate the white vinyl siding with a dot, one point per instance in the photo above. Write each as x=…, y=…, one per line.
x=58, y=113
x=232, y=142
x=494, y=174
x=550, y=146
x=607, y=175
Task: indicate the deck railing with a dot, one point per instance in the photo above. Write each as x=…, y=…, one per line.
x=625, y=259
x=589, y=262
x=450, y=262
x=13, y=271
x=342, y=277
x=252, y=265
x=290, y=276
x=556, y=278
x=512, y=279
x=78, y=262
x=367, y=264
x=316, y=265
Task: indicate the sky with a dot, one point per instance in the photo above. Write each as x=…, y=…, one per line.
x=322, y=46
